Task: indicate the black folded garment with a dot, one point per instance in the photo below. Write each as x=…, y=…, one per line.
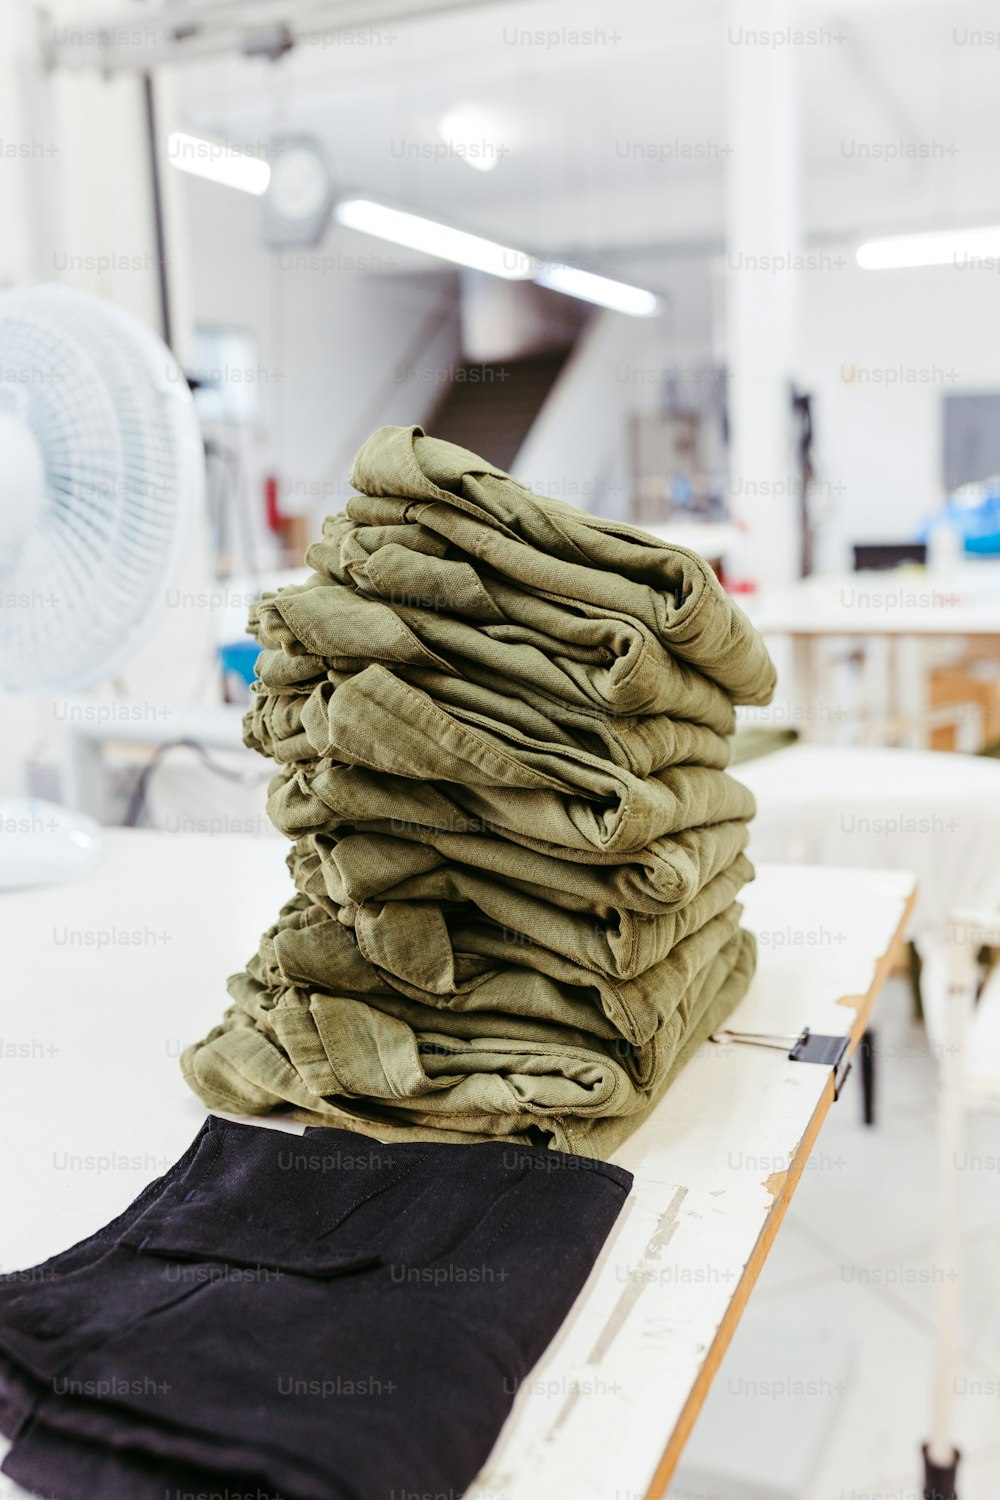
x=316, y=1317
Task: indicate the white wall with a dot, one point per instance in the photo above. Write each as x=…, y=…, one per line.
x=332, y=340
x=579, y=448
x=337, y=335
x=929, y=332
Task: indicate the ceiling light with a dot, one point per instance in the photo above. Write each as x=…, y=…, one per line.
x=470, y=137
x=436, y=239
x=938, y=248
x=617, y=295
x=218, y=161
x=480, y=254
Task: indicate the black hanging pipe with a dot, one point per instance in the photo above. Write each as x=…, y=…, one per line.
x=802, y=409
x=156, y=193
x=939, y=1479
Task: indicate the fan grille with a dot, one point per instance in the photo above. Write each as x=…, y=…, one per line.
x=112, y=416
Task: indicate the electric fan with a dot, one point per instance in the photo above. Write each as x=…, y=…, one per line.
x=101, y=469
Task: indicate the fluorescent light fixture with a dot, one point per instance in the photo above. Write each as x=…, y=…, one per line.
x=218, y=161
x=938, y=248
x=471, y=137
x=435, y=239
x=486, y=255
x=617, y=295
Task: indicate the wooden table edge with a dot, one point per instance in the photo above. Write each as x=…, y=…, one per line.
x=782, y=1185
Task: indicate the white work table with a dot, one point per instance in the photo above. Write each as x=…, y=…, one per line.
x=898, y=601
x=903, y=610
x=109, y=978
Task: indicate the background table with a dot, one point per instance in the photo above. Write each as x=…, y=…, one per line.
x=935, y=814
x=901, y=610
x=964, y=600
x=108, y=979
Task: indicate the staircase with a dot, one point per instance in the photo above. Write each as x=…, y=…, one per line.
x=490, y=408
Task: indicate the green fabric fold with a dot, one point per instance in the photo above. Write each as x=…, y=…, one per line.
x=501, y=728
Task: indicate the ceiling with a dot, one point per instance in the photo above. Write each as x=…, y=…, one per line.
x=621, y=143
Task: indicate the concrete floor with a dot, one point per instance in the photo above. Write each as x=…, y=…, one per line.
x=852, y=1267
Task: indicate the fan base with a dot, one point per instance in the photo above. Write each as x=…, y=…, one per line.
x=45, y=844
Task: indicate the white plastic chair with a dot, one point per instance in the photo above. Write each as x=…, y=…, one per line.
x=969, y=1079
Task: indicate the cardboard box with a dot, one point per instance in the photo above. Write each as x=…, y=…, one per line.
x=973, y=690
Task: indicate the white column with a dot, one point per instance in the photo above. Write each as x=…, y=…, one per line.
x=30, y=149
x=75, y=182
x=763, y=249
x=109, y=244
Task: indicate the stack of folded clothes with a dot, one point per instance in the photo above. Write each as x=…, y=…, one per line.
x=502, y=726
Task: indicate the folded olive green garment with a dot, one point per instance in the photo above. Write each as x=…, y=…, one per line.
x=239, y=1069
x=415, y=930
x=497, y=774
x=665, y=875
x=557, y=1072
x=366, y=872
x=329, y=620
x=751, y=741
x=485, y=976
x=557, y=552
x=501, y=727
x=543, y=818
x=274, y=724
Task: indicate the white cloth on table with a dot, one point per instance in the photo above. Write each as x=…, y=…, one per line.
x=935, y=813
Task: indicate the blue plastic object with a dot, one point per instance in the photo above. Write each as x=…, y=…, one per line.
x=973, y=512
x=239, y=660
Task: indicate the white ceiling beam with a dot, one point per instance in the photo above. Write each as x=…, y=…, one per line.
x=139, y=39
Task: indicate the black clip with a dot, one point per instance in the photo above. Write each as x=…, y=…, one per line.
x=828, y=1051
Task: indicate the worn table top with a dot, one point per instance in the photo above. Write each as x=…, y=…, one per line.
x=110, y=977
x=610, y=1406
